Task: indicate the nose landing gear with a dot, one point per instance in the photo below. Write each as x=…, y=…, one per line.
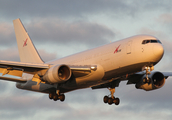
x=148, y=71
x=110, y=100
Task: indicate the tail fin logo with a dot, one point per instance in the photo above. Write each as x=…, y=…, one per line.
x=25, y=42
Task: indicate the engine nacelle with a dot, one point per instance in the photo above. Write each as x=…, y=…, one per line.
x=57, y=74
x=156, y=81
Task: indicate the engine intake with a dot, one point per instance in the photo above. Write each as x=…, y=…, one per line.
x=156, y=81
x=57, y=74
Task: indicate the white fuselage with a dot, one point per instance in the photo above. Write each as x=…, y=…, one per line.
x=116, y=59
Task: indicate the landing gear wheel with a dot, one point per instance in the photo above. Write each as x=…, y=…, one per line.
x=55, y=97
x=110, y=101
x=61, y=97
x=116, y=101
x=105, y=99
x=51, y=95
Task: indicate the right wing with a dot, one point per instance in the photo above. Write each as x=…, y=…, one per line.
x=17, y=68
x=13, y=79
x=37, y=70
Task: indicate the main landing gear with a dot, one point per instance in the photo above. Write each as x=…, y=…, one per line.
x=110, y=100
x=56, y=96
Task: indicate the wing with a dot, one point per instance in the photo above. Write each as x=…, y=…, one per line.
x=167, y=74
x=135, y=79
x=17, y=68
x=13, y=79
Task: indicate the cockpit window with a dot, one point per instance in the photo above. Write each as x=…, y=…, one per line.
x=150, y=41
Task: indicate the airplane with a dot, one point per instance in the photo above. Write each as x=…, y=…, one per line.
x=131, y=59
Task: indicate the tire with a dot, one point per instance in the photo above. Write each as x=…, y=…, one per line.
x=51, y=95
x=55, y=97
x=105, y=99
x=62, y=97
x=116, y=101
x=110, y=101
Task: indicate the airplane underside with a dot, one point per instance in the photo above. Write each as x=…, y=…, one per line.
x=56, y=91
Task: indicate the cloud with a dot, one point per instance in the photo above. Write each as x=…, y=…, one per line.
x=85, y=24
x=12, y=106
x=57, y=31
x=47, y=56
x=165, y=18
x=6, y=54
x=72, y=8
x=10, y=54
x=62, y=32
x=75, y=8
x=7, y=36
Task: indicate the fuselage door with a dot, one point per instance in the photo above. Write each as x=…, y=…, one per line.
x=129, y=47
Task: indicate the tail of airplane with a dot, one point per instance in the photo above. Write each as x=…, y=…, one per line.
x=27, y=50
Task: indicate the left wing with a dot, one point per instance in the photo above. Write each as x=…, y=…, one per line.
x=157, y=80
x=167, y=74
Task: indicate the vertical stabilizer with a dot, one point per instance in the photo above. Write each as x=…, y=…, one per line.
x=27, y=50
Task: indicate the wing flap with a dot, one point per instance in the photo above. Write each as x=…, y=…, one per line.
x=5, y=71
x=13, y=79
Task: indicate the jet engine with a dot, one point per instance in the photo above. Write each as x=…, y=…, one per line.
x=57, y=74
x=156, y=80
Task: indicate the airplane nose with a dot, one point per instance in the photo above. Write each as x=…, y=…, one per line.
x=158, y=51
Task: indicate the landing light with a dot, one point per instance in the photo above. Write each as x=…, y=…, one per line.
x=93, y=67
